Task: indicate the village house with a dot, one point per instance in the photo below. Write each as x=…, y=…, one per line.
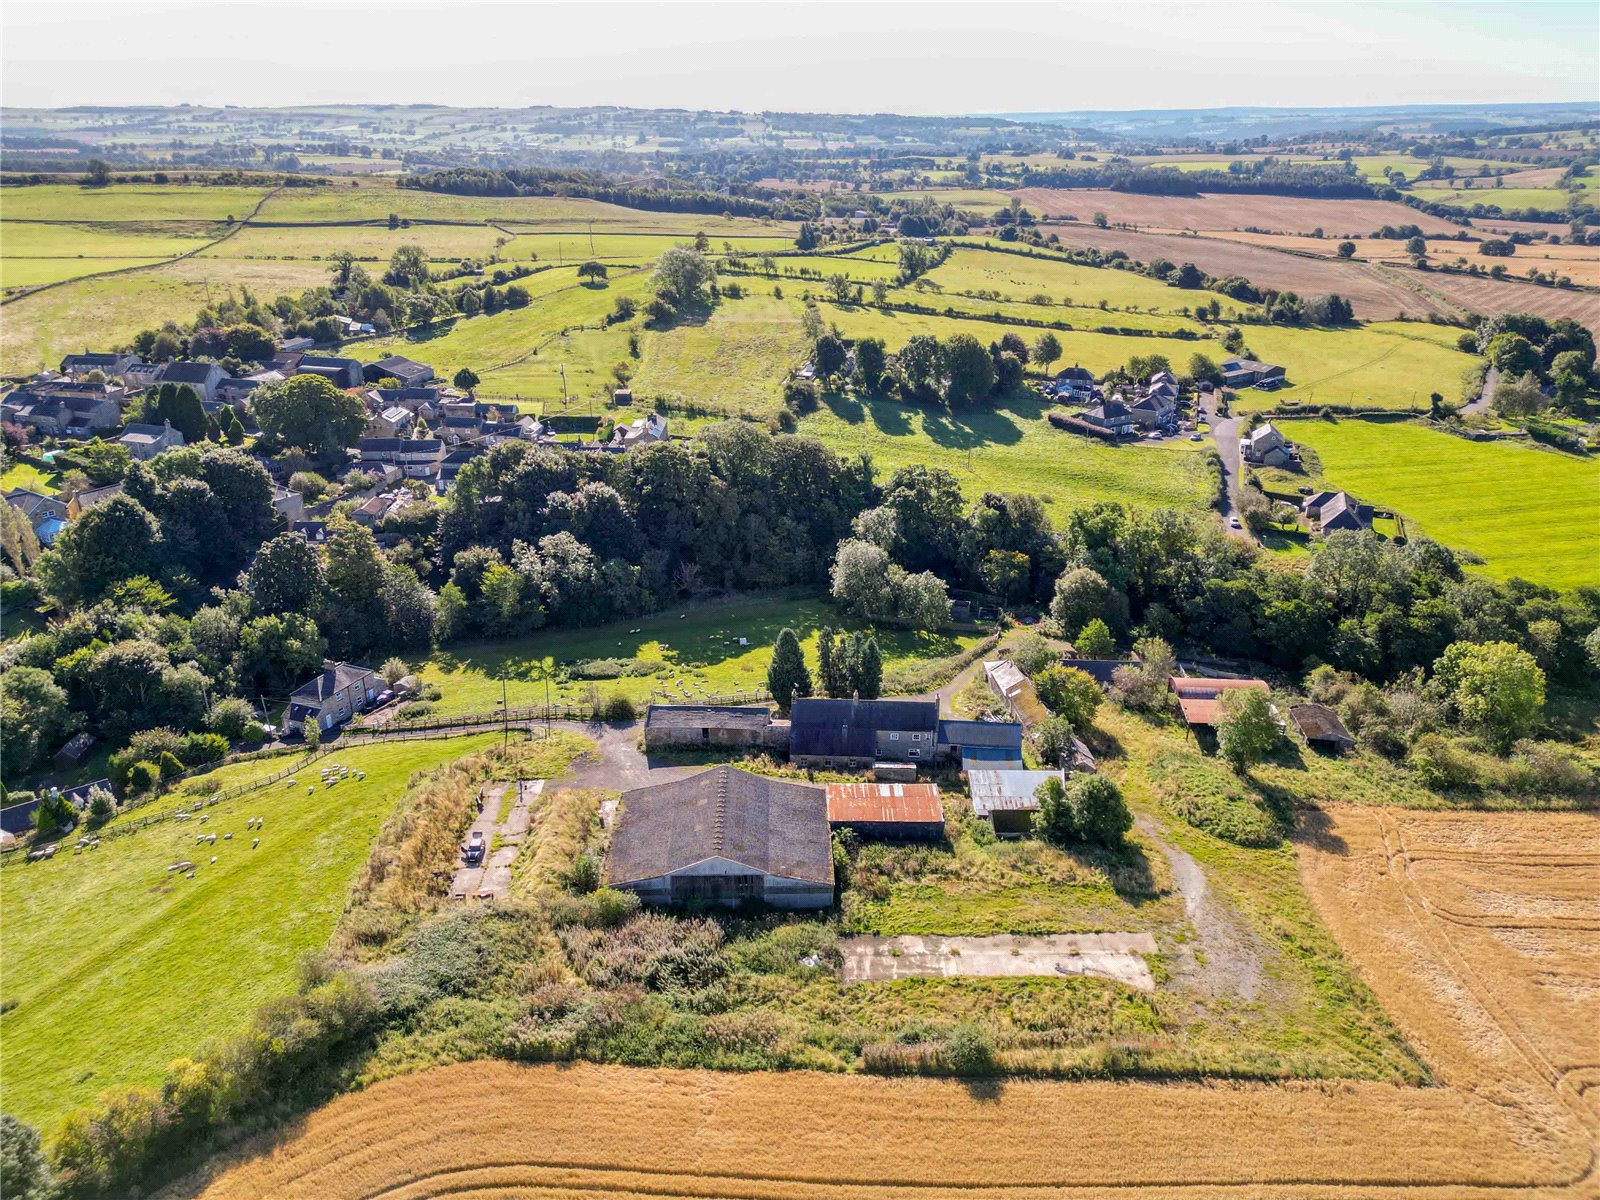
x=450, y=466
x=338, y=693
x=424, y=401
x=1006, y=799
x=899, y=812
x=84, y=501
x=112, y=366
x=1075, y=383
x=694, y=725
x=1335, y=511
x=290, y=506
x=852, y=735
x=1247, y=372
x=642, y=432
x=417, y=458
x=48, y=515
x=1264, y=446
x=410, y=374
x=1112, y=416
x=147, y=441
x=140, y=375
x=393, y=422
x=723, y=837
x=1155, y=410
x=65, y=410
x=203, y=377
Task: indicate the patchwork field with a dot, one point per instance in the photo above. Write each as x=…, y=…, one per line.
x=698, y=653
x=1281, y=214
x=1526, y=512
x=1493, y=980
x=114, y=966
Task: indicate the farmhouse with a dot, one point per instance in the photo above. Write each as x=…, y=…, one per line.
x=642, y=432
x=1006, y=798
x=1264, y=446
x=1113, y=416
x=47, y=514
x=689, y=725
x=1333, y=511
x=723, y=836
x=887, y=811
x=147, y=441
x=1247, y=372
x=417, y=458
x=203, y=377
x=410, y=374
x=854, y=734
x=1200, y=699
x=1321, y=726
x=112, y=366
x=333, y=697
x=987, y=745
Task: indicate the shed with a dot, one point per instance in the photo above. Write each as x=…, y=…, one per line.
x=891, y=811
x=726, y=837
x=75, y=751
x=1006, y=798
x=1200, y=699
x=1320, y=725
x=995, y=745
x=705, y=725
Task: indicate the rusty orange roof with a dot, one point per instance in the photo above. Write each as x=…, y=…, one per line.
x=1200, y=699
x=898, y=803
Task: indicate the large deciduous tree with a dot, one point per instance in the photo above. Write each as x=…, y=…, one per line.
x=309, y=412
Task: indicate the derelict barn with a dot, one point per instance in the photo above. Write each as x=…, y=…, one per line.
x=724, y=836
x=887, y=811
x=689, y=725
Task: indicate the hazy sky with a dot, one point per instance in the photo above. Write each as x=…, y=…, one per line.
x=843, y=57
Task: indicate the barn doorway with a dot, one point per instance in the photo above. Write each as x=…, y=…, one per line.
x=717, y=889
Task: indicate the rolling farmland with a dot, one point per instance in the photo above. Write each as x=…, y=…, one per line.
x=1281, y=214
x=1526, y=512
x=1475, y=930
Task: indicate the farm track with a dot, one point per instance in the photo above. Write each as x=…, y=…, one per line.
x=166, y=262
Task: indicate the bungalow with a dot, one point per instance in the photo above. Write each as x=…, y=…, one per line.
x=410, y=374
x=341, y=372
x=203, y=377
x=985, y=745
x=375, y=508
x=854, y=734
x=417, y=458
x=1335, y=511
x=1247, y=372
x=1112, y=416
x=692, y=725
x=644, y=431
x=1320, y=726
x=888, y=811
x=84, y=501
x=723, y=837
x=47, y=514
x=1264, y=446
x=1200, y=699
x=333, y=697
x=147, y=441
x=112, y=366
x=1006, y=798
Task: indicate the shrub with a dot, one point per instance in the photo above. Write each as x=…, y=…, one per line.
x=142, y=776
x=1032, y=653
x=583, y=876
x=968, y=1051
x=170, y=765
x=619, y=708
x=1547, y=768
x=54, y=812
x=102, y=804
x=1441, y=765
x=1246, y=731
x=22, y=1162
x=196, y=749
x=232, y=719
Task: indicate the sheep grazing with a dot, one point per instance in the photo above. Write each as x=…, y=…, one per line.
x=213, y=858
x=254, y=842
x=190, y=875
x=227, y=837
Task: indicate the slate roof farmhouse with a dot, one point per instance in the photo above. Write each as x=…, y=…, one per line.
x=851, y=735
x=333, y=697
x=724, y=837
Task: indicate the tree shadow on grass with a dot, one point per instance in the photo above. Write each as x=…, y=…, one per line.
x=971, y=429
x=986, y=1089
x=846, y=407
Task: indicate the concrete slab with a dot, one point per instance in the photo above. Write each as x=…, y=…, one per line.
x=1114, y=956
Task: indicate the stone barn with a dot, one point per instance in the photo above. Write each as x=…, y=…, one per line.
x=686, y=726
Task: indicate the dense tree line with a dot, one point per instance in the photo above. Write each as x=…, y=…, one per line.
x=660, y=197
x=1269, y=176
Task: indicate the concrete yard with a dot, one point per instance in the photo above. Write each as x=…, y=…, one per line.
x=1114, y=956
x=494, y=873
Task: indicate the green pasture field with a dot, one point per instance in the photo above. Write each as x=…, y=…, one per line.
x=1079, y=315
x=1018, y=277
x=1097, y=351
x=128, y=202
x=697, y=646
x=1383, y=365
x=579, y=245
x=1526, y=512
x=106, y=312
x=855, y=267
x=980, y=199
x=1551, y=199
x=521, y=352
x=1011, y=447
x=28, y=239
x=735, y=360
x=372, y=242
x=1372, y=165
x=34, y=272
x=115, y=966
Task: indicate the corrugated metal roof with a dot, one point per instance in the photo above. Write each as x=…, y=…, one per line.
x=1006, y=791
x=992, y=758
x=1200, y=699
x=886, y=803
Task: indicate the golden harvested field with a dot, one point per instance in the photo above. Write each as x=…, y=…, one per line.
x=1479, y=932
x=1282, y=214
x=1504, y=295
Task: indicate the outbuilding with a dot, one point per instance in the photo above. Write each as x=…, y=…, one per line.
x=723, y=837
x=1321, y=726
x=887, y=811
x=690, y=725
x=1006, y=798
x=985, y=745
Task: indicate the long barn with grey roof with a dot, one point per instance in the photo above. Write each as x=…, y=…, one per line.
x=726, y=837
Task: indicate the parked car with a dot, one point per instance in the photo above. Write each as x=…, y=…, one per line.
x=476, y=845
x=1233, y=523
x=1195, y=437
x=384, y=698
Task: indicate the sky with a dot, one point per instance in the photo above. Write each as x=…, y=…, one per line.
x=916, y=58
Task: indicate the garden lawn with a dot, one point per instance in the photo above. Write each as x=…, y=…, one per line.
x=1011, y=447
x=698, y=643
x=1392, y=364
x=26, y=475
x=1526, y=512
x=114, y=966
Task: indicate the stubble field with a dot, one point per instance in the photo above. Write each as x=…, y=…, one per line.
x=1281, y=214
x=1475, y=930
